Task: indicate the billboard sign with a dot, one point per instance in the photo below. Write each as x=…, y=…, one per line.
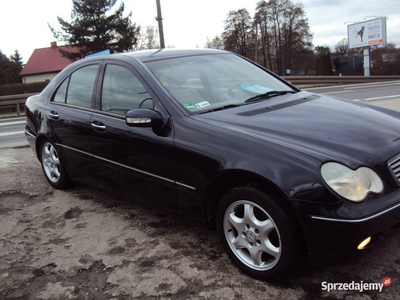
x=368, y=33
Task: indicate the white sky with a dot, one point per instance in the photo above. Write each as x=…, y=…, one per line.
x=187, y=23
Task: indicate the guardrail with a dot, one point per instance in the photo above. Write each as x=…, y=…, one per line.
x=13, y=103
x=318, y=80
x=16, y=102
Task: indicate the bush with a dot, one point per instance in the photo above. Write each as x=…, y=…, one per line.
x=22, y=88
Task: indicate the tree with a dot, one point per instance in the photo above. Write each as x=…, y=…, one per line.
x=95, y=28
x=16, y=65
x=215, y=43
x=342, y=48
x=10, y=68
x=237, y=31
x=148, y=40
x=324, y=62
x=284, y=34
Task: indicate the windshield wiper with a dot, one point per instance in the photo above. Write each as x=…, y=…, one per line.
x=221, y=108
x=268, y=95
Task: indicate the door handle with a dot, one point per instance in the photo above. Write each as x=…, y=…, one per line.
x=54, y=115
x=98, y=126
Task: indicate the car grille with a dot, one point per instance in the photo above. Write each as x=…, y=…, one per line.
x=394, y=166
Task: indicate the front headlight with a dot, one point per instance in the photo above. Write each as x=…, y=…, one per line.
x=353, y=185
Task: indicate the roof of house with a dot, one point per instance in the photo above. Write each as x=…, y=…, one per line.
x=46, y=60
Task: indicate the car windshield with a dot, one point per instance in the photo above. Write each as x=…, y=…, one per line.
x=206, y=83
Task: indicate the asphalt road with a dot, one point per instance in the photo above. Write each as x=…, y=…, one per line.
x=84, y=243
x=12, y=132
x=386, y=94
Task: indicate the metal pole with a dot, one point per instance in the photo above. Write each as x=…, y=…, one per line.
x=367, y=61
x=256, y=50
x=160, y=25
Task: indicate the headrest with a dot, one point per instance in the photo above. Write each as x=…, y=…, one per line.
x=177, y=77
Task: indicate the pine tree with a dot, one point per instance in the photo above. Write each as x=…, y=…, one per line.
x=10, y=68
x=94, y=27
x=16, y=66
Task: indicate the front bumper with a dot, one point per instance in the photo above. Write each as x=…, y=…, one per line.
x=334, y=239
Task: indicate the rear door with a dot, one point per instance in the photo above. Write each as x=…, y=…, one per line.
x=139, y=161
x=69, y=113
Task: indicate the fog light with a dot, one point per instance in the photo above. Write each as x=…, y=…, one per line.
x=364, y=243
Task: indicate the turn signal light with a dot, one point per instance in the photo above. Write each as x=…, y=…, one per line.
x=364, y=243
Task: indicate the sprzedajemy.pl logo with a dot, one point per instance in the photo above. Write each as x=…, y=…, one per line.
x=356, y=286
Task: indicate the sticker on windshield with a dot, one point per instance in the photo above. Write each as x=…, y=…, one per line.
x=255, y=88
x=202, y=104
x=190, y=106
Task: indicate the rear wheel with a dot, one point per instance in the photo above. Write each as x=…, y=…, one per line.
x=52, y=166
x=257, y=234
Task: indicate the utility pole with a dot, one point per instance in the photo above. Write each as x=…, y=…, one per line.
x=160, y=25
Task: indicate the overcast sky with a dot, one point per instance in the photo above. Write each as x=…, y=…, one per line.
x=188, y=23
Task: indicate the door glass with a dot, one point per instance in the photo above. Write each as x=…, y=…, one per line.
x=81, y=84
x=59, y=96
x=122, y=91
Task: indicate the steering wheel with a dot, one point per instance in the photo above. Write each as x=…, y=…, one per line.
x=143, y=101
x=231, y=88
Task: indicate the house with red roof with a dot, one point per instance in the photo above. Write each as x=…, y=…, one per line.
x=45, y=63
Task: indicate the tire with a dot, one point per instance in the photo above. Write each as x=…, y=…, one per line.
x=52, y=166
x=257, y=234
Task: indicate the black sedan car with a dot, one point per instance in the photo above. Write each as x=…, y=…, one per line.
x=281, y=174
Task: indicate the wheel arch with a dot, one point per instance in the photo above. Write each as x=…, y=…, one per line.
x=241, y=178
x=39, y=141
x=237, y=178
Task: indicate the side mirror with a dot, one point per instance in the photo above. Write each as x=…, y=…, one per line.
x=143, y=117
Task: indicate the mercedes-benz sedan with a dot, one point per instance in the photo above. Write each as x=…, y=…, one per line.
x=281, y=174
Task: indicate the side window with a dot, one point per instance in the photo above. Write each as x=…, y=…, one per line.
x=59, y=96
x=80, y=87
x=122, y=91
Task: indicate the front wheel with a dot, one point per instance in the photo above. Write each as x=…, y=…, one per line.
x=257, y=234
x=52, y=167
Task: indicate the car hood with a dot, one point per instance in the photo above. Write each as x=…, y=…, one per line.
x=323, y=127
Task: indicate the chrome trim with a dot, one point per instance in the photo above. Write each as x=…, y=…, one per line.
x=394, y=167
x=98, y=126
x=30, y=134
x=357, y=220
x=185, y=185
x=131, y=168
x=73, y=149
x=134, y=169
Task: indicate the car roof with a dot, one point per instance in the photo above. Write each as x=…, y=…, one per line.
x=160, y=54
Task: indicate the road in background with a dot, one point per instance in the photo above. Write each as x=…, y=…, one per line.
x=12, y=133
x=385, y=94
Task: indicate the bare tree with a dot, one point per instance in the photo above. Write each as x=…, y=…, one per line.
x=237, y=29
x=342, y=48
x=148, y=39
x=284, y=34
x=215, y=43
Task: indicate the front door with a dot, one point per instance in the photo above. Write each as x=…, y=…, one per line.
x=136, y=160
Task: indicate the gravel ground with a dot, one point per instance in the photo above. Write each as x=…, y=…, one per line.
x=87, y=244
x=83, y=243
